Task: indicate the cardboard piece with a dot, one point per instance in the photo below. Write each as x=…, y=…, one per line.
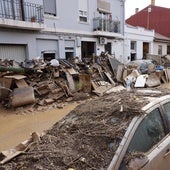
x=19, y=149
x=153, y=80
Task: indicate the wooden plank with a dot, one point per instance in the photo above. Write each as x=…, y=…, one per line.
x=72, y=71
x=102, y=90
x=168, y=74
x=21, y=83
x=114, y=63
x=19, y=149
x=56, y=74
x=119, y=73
x=109, y=77
x=5, y=82
x=16, y=77
x=85, y=80
x=94, y=85
x=70, y=81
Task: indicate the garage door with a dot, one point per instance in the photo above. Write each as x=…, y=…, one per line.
x=13, y=52
x=47, y=46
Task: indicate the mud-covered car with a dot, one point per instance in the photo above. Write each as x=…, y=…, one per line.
x=118, y=131
x=146, y=143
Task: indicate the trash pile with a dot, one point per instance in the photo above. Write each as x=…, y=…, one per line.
x=41, y=82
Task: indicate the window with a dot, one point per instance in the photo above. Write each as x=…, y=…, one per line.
x=133, y=45
x=167, y=112
x=150, y=132
x=83, y=10
x=159, y=49
x=50, y=7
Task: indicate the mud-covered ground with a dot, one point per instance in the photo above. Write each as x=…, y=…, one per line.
x=87, y=138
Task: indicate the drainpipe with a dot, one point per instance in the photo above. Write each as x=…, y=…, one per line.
x=22, y=11
x=123, y=5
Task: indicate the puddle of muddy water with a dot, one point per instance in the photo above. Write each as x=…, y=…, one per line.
x=17, y=128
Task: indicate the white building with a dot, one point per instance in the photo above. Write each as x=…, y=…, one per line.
x=137, y=43
x=160, y=46
x=60, y=28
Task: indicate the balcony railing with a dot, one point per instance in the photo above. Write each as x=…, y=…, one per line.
x=21, y=11
x=106, y=25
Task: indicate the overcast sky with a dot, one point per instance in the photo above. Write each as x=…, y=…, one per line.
x=130, y=5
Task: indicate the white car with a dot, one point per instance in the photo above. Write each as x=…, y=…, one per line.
x=146, y=143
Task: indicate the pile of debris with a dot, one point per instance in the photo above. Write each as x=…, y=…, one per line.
x=72, y=144
x=87, y=138
x=41, y=83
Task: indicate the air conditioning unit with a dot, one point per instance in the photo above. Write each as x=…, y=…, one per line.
x=102, y=40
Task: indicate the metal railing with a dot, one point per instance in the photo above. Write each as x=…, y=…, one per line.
x=106, y=25
x=22, y=11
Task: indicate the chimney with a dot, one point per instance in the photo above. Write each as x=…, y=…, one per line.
x=153, y=2
x=136, y=10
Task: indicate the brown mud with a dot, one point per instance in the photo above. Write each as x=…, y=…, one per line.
x=15, y=128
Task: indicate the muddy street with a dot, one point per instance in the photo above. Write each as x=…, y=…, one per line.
x=15, y=128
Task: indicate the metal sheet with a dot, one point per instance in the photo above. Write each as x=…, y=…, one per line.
x=23, y=96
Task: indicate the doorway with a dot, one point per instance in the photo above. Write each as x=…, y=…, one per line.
x=168, y=49
x=145, y=49
x=87, y=49
x=108, y=48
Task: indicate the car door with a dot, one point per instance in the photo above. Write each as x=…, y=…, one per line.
x=149, y=140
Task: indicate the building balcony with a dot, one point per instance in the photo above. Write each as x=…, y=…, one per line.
x=21, y=15
x=106, y=27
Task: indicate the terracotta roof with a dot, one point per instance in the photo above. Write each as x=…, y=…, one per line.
x=159, y=37
x=157, y=19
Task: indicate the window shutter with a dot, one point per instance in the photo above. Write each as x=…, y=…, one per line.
x=103, y=6
x=50, y=7
x=83, y=5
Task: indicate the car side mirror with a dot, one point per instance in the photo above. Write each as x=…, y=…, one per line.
x=137, y=163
